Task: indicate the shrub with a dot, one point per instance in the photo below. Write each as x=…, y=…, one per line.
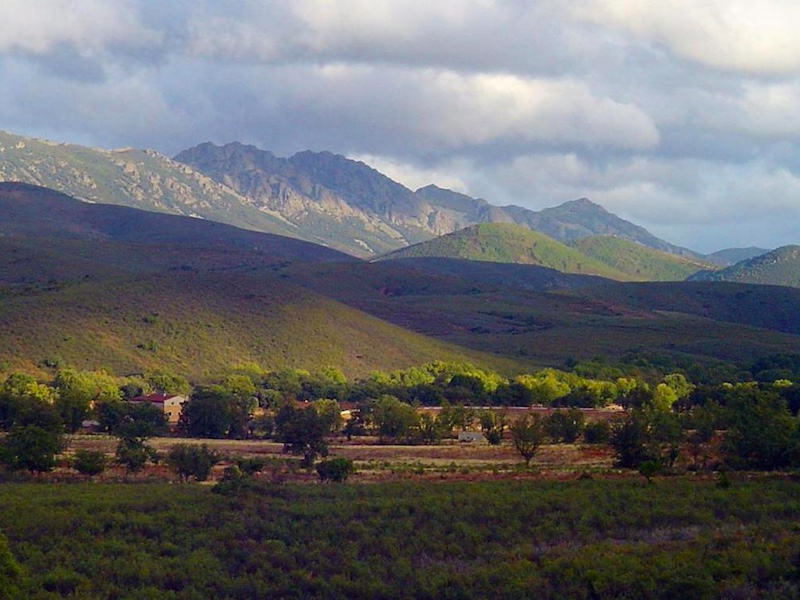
x=190, y=460
x=90, y=462
x=597, y=432
x=335, y=469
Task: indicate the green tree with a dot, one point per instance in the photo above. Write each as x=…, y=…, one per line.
x=209, y=413
x=167, y=382
x=597, y=432
x=133, y=453
x=565, y=425
x=30, y=447
x=78, y=391
x=190, y=460
x=303, y=432
x=527, y=434
x=492, y=426
x=430, y=429
x=394, y=419
x=761, y=432
x=630, y=439
x=331, y=412
x=21, y=393
x=646, y=435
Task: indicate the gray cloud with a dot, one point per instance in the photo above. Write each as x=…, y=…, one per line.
x=682, y=116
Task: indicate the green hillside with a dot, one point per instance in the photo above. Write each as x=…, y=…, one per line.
x=507, y=243
x=199, y=324
x=640, y=262
x=779, y=267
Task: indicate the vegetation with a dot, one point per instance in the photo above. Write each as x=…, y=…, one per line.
x=639, y=262
x=686, y=538
x=90, y=462
x=503, y=242
x=192, y=461
x=778, y=267
x=527, y=434
x=335, y=469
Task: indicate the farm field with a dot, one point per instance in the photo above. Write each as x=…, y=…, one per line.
x=682, y=537
x=381, y=462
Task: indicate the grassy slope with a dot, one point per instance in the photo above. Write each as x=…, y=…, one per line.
x=639, y=262
x=779, y=267
x=503, y=242
x=198, y=324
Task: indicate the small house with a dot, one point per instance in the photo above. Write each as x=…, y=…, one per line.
x=170, y=404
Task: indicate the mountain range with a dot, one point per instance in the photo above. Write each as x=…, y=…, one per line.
x=315, y=196
x=134, y=261
x=103, y=286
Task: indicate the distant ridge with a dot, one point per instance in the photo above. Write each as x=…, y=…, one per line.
x=31, y=211
x=731, y=256
x=320, y=197
x=638, y=261
x=351, y=206
x=779, y=267
x=137, y=178
x=508, y=243
x=567, y=222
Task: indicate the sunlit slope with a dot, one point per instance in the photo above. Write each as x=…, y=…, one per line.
x=640, y=262
x=778, y=267
x=198, y=324
x=507, y=243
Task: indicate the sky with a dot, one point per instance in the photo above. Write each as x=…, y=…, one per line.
x=682, y=116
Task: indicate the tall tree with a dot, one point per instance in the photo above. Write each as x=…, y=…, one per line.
x=527, y=434
x=303, y=431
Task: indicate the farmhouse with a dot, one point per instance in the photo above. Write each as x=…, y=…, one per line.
x=170, y=404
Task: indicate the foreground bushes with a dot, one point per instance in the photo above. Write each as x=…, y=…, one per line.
x=580, y=539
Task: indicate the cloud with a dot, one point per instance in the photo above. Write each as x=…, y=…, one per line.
x=433, y=111
x=674, y=114
x=90, y=26
x=758, y=38
x=413, y=176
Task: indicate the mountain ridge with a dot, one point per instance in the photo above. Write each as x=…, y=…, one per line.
x=777, y=267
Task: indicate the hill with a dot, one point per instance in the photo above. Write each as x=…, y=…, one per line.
x=508, y=275
x=46, y=236
x=640, y=262
x=199, y=324
x=507, y=243
x=583, y=218
x=98, y=286
x=779, y=267
x=694, y=322
x=730, y=256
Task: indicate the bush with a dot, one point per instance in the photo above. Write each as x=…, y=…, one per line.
x=90, y=462
x=565, y=425
x=335, y=469
x=597, y=432
x=190, y=460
